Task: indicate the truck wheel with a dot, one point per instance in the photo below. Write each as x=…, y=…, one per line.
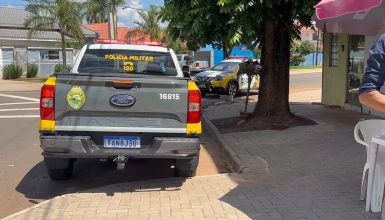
x=187, y=173
x=187, y=167
x=232, y=89
x=59, y=168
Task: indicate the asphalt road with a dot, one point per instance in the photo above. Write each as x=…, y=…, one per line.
x=23, y=177
x=299, y=83
x=306, y=80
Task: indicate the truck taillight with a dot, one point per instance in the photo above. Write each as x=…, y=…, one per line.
x=47, y=102
x=194, y=110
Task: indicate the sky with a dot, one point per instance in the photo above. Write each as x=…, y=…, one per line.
x=126, y=17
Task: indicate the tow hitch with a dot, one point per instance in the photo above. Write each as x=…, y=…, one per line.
x=120, y=162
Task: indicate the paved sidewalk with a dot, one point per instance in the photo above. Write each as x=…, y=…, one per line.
x=173, y=198
x=309, y=172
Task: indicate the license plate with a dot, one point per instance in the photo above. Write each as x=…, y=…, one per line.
x=122, y=142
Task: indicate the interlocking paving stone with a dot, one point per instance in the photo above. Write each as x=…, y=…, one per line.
x=309, y=172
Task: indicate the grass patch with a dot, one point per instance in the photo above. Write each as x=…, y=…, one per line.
x=12, y=71
x=37, y=79
x=305, y=67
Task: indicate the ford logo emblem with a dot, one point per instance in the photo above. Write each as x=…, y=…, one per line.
x=122, y=100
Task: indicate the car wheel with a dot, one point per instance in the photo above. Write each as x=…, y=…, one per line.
x=232, y=89
x=59, y=168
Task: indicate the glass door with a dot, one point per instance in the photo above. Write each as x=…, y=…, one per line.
x=355, y=67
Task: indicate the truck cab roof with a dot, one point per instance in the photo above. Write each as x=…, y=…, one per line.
x=128, y=47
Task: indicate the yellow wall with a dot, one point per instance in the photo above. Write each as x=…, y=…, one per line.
x=334, y=79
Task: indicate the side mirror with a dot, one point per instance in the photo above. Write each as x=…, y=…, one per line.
x=186, y=75
x=258, y=67
x=186, y=71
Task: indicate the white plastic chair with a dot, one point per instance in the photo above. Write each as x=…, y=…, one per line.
x=368, y=129
x=377, y=190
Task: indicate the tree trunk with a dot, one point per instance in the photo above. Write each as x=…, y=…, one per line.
x=225, y=55
x=115, y=23
x=63, y=50
x=226, y=49
x=273, y=97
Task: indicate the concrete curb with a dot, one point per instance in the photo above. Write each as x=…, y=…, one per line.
x=236, y=163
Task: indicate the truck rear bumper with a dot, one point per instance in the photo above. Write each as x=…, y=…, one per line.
x=85, y=147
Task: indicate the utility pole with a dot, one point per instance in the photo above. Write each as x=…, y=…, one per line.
x=111, y=22
x=316, y=53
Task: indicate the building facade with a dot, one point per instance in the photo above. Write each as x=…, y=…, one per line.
x=43, y=49
x=344, y=64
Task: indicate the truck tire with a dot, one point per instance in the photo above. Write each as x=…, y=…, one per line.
x=187, y=173
x=187, y=167
x=59, y=168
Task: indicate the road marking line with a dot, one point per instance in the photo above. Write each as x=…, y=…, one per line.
x=19, y=116
x=20, y=97
x=18, y=109
x=18, y=103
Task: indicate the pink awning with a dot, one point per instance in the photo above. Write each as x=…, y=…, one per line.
x=362, y=17
x=335, y=8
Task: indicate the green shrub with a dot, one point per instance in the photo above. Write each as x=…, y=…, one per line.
x=32, y=70
x=59, y=68
x=12, y=71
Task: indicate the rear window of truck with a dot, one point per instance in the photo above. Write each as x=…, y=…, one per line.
x=127, y=62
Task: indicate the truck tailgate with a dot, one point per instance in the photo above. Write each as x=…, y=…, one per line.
x=149, y=105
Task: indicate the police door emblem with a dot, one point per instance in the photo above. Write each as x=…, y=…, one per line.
x=76, y=97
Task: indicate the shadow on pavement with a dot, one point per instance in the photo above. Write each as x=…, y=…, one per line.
x=92, y=173
x=89, y=174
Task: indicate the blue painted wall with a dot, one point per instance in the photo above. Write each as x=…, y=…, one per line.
x=240, y=51
x=237, y=51
x=311, y=58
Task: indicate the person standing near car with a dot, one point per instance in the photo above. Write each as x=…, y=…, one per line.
x=374, y=77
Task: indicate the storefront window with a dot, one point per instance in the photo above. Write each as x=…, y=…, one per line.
x=7, y=56
x=333, y=60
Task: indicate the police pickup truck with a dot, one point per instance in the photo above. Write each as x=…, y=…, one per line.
x=120, y=102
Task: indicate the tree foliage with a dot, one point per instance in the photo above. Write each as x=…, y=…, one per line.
x=148, y=24
x=96, y=11
x=199, y=22
x=177, y=45
x=298, y=51
x=272, y=25
x=55, y=15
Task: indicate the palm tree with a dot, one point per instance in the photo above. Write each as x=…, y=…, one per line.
x=148, y=24
x=114, y=5
x=96, y=11
x=58, y=15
